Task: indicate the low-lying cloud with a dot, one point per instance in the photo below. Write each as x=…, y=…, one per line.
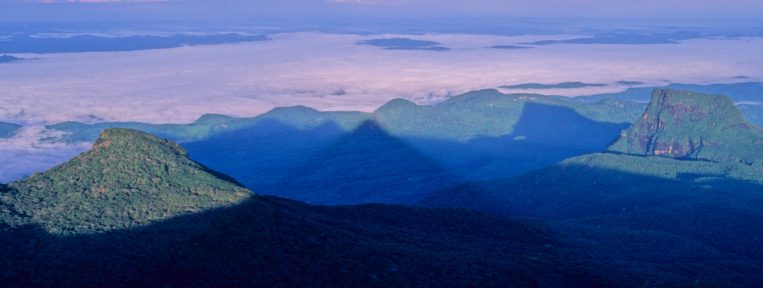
x=179, y=85
x=27, y=152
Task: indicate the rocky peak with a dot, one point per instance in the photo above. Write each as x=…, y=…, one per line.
x=682, y=124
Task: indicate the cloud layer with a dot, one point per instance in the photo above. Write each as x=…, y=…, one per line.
x=179, y=85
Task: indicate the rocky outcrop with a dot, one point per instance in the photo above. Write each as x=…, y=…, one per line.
x=682, y=124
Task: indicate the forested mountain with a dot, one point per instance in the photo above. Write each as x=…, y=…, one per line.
x=652, y=181
x=135, y=212
x=127, y=179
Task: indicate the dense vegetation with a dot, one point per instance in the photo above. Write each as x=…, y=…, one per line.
x=128, y=178
x=136, y=205
x=119, y=216
x=704, y=200
x=682, y=124
x=268, y=242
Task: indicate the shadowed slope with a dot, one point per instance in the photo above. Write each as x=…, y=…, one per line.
x=365, y=166
x=270, y=242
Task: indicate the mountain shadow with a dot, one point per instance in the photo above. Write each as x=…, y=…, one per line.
x=134, y=211
x=558, y=126
x=328, y=165
x=272, y=242
x=543, y=135
x=261, y=155
x=697, y=201
x=365, y=166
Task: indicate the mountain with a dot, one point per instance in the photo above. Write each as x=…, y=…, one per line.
x=271, y=242
x=8, y=129
x=486, y=134
x=276, y=144
x=746, y=95
x=210, y=125
x=134, y=211
x=128, y=178
x=705, y=197
x=8, y=58
x=412, y=148
x=295, y=151
x=365, y=166
x=739, y=92
x=681, y=124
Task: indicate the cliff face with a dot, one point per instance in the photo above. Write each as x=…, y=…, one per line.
x=681, y=124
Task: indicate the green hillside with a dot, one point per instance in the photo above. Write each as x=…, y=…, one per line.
x=682, y=124
x=488, y=113
x=128, y=178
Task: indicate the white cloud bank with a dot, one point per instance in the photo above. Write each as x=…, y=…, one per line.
x=178, y=85
x=25, y=153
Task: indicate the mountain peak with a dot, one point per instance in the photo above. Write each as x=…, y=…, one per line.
x=121, y=139
x=683, y=124
x=128, y=178
x=394, y=104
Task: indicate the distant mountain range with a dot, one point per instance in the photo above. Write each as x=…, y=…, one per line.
x=8, y=58
x=295, y=151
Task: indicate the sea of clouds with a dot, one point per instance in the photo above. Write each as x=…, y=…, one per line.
x=324, y=71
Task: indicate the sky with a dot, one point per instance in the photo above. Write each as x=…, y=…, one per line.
x=83, y=10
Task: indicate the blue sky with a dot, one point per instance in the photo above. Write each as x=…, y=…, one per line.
x=15, y=10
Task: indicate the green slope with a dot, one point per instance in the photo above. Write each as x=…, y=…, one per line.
x=682, y=124
x=488, y=113
x=128, y=178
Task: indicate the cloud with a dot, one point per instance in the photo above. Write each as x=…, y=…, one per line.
x=27, y=153
x=179, y=85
